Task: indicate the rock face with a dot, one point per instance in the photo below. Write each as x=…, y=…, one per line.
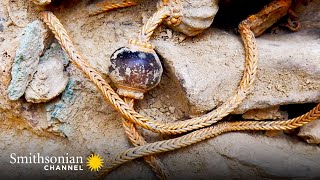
x=311, y=132
x=309, y=17
x=286, y=73
x=209, y=67
x=266, y=114
x=50, y=79
x=267, y=155
x=81, y=122
x=32, y=45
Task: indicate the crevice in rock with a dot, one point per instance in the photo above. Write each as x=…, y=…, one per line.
x=232, y=12
x=295, y=110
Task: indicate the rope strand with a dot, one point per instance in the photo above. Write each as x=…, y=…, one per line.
x=153, y=23
x=104, y=7
x=137, y=140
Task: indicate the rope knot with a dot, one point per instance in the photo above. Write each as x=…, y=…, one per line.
x=175, y=9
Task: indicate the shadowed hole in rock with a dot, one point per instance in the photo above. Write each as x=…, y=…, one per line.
x=295, y=110
x=232, y=12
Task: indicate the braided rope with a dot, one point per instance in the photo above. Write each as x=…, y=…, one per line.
x=104, y=7
x=153, y=23
x=130, y=114
x=205, y=133
x=137, y=140
x=164, y=2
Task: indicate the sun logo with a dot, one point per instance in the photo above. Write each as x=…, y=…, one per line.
x=94, y=162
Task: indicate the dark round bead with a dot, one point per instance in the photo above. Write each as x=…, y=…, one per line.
x=135, y=71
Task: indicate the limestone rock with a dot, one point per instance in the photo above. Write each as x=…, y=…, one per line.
x=210, y=66
x=309, y=15
x=50, y=79
x=89, y=124
x=311, y=132
x=196, y=16
x=32, y=45
x=268, y=113
x=288, y=70
x=269, y=157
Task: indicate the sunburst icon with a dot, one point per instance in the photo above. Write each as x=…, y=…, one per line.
x=94, y=162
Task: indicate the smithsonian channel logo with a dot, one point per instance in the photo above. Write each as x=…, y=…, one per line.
x=66, y=162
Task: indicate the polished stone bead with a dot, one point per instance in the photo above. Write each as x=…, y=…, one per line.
x=134, y=70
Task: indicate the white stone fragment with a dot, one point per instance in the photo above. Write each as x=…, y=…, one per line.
x=311, y=132
x=50, y=79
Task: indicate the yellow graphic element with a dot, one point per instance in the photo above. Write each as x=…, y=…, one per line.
x=94, y=162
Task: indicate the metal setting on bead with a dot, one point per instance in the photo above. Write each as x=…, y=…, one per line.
x=143, y=46
x=135, y=70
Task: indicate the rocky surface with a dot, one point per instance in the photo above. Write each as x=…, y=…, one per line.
x=311, y=132
x=282, y=78
x=80, y=121
x=286, y=74
x=271, y=113
x=196, y=16
x=268, y=155
x=32, y=43
x=50, y=79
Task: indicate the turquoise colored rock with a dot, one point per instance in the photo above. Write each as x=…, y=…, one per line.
x=58, y=112
x=68, y=94
x=31, y=47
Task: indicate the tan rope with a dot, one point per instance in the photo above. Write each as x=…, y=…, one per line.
x=137, y=140
x=105, y=6
x=130, y=114
x=153, y=23
x=210, y=132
